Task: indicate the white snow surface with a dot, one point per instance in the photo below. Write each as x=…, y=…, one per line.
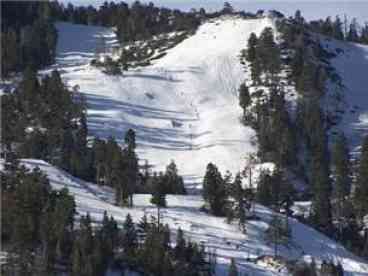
x=214, y=232
x=192, y=115
x=350, y=63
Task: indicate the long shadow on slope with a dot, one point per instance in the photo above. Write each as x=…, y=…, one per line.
x=154, y=77
x=103, y=125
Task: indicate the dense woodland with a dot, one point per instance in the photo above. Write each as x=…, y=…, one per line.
x=28, y=36
x=43, y=119
x=303, y=145
x=41, y=236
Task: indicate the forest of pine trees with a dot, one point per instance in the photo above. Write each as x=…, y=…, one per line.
x=301, y=143
x=41, y=237
x=28, y=36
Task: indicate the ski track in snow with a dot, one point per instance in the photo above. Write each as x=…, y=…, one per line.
x=194, y=87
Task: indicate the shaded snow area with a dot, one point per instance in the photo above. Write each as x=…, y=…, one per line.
x=351, y=63
x=183, y=107
x=214, y=232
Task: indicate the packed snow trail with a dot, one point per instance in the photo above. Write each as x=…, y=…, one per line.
x=191, y=115
x=226, y=239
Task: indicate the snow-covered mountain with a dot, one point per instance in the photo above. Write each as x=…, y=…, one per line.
x=185, y=107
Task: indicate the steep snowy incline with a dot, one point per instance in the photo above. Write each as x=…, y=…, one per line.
x=227, y=241
x=184, y=107
x=351, y=64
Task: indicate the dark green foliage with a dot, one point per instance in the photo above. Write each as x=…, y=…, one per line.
x=138, y=21
x=117, y=167
x=159, y=191
x=214, y=191
x=278, y=233
x=303, y=269
x=269, y=56
x=49, y=123
x=36, y=220
x=252, y=55
x=233, y=270
x=244, y=99
x=342, y=175
x=264, y=189
x=28, y=36
x=129, y=239
x=156, y=256
x=330, y=269
x=240, y=203
x=275, y=130
x=361, y=190
x=227, y=9
x=173, y=183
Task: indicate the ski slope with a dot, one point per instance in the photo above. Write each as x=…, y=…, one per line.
x=351, y=63
x=224, y=239
x=184, y=107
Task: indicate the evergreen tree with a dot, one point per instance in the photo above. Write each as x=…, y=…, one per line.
x=337, y=29
x=264, y=193
x=244, y=98
x=342, y=174
x=214, y=191
x=270, y=55
x=252, y=48
x=353, y=31
x=227, y=9
x=129, y=239
x=180, y=244
x=233, y=270
x=159, y=192
x=131, y=166
x=361, y=189
x=278, y=233
x=173, y=182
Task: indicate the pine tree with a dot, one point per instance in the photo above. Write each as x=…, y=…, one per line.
x=353, y=31
x=237, y=193
x=214, y=190
x=77, y=262
x=361, y=189
x=269, y=54
x=337, y=29
x=264, y=193
x=227, y=9
x=159, y=191
x=233, y=270
x=252, y=56
x=364, y=34
x=180, y=244
x=173, y=182
x=244, y=98
x=143, y=225
x=131, y=168
x=342, y=174
x=278, y=233
x=129, y=239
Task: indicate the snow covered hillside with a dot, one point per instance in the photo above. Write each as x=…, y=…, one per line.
x=184, y=107
x=351, y=63
x=214, y=232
